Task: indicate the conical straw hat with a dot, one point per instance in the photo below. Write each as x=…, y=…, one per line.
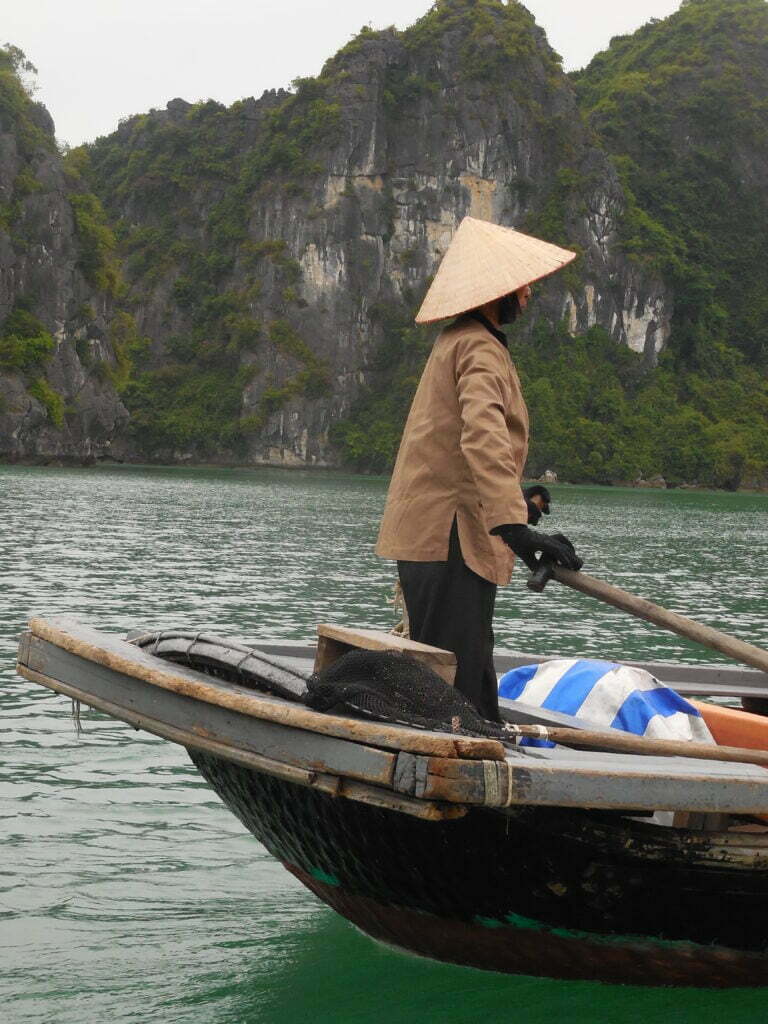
x=484, y=262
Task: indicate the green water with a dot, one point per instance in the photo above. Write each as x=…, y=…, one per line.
x=127, y=892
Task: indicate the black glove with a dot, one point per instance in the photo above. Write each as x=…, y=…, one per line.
x=534, y=512
x=525, y=542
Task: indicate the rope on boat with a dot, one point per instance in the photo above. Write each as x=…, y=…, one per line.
x=194, y=640
x=403, y=627
x=76, y=717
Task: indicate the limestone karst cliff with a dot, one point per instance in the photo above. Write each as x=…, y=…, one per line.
x=273, y=252
x=681, y=107
x=56, y=283
x=288, y=234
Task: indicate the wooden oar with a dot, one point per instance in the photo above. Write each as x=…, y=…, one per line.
x=625, y=743
x=739, y=650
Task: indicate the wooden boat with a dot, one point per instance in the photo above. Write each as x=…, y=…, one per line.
x=534, y=861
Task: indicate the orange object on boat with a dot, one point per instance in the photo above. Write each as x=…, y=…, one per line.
x=731, y=727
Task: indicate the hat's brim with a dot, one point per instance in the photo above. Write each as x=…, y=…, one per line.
x=485, y=262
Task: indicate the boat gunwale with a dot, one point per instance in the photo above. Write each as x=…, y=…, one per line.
x=62, y=631
x=325, y=782
x=517, y=780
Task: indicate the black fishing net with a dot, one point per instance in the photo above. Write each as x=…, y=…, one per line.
x=373, y=684
x=395, y=688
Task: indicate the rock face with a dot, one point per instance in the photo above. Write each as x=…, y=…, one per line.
x=274, y=252
x=333, y=208
x=680, y=104
x=56, y=401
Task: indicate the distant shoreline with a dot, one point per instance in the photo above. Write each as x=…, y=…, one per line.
x=255, y=467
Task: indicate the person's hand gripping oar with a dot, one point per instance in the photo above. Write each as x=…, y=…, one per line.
x=553, y=548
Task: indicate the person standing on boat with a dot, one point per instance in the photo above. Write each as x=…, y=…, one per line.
x=456, y=513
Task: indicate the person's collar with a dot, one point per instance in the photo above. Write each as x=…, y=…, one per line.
x=498, y=335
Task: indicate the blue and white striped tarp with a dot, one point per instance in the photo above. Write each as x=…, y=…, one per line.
x=608, y=694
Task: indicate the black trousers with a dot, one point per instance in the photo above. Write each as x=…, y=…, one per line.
x=450, y=606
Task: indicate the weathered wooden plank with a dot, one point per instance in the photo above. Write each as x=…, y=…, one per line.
x=257, y=762
x=335, y=641
x=112, y=652
x=24, y=641
x=330, y=784
x=517, y=712
x=303, y=749
x=573, y=784
x=468, y=782
x=564, y=783
x=470, y=748
x=461, y=791
x=426, y=809
x=649, y=765
x=451, y=768
x=410, y=773
x=486, y=783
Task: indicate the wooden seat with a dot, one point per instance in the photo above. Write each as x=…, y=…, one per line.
x=334, y=641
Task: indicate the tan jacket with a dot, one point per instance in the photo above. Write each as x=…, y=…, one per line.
x=462, y=454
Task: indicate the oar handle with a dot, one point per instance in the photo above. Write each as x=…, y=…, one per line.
x=544, y=572
x=734, y=648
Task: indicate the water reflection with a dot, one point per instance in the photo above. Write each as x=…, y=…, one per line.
x=325, y=971
x=126, y=889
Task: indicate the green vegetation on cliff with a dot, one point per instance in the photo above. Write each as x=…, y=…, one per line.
x=208, y=209
x=494, y=38
x=598, y=415
x=295, y=135
x=681, y=106
x=25, y=345
x=158, y=170
x=26, y=348
x=370, y=437
x=97, y=243
x=18, y=114
x=163, y=168
x=39, y=197
x=24, y=121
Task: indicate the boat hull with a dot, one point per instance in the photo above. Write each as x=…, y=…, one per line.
x=540, y=891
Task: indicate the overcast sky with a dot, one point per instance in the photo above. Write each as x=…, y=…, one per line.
x=100, y=60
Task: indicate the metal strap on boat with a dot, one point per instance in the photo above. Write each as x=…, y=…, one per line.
x=497, y=789
x=499, y=785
